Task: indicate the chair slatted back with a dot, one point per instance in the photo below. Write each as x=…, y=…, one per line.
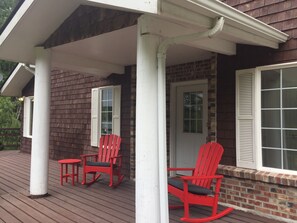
x=109, y=146
x=208, y=160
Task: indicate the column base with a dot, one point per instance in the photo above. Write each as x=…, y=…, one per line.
x=39, y=196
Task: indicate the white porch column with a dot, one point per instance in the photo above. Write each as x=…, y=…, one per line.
x=41, y=117
x=147, y=163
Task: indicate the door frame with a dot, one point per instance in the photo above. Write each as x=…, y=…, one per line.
x=173, y=92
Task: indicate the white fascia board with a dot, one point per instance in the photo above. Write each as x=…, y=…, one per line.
x=235, y=17
x=18, y=79
x=148, y=6
x=16, y=18
x=200, y=13
x=77, y=63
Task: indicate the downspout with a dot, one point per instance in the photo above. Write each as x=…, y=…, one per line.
x=162, y=107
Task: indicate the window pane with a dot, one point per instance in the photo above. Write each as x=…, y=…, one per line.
x=104, y=117
x=186, y=126
x=289, y=77
x=194, y=112
x=270, y=99
x=290, y=139
x=271, y=138
x=272, y=158
x=104, y=106
x=290, y=119
x=290, y=98
x=104, y=94
x=270, y=79
x=109, y=105
x=199, y=126
x=192, y=117
x=290, y=160
x=271, y=119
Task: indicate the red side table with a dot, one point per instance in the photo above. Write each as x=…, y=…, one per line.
x=74, y=163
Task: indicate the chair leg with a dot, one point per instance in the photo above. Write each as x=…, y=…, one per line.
x=84, y=178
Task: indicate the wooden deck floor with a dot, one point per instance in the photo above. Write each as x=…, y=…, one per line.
x=97, y=203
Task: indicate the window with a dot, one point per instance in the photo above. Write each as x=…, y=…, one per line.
x=105, y=112
x=28, y=116
x=266, y=118
x=193, y=110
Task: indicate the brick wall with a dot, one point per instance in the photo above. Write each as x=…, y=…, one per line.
x=258, y=191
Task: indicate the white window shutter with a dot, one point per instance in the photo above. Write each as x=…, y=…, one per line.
x=245, y=119
x=26, y=118
x=116, y=116
x=95, y=117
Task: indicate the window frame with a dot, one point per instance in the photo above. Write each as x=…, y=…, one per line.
x=96, y=107
x=256, y=136
x=258, y=119
x=28, y=117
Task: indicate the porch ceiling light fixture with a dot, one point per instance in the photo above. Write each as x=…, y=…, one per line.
x=162, y=105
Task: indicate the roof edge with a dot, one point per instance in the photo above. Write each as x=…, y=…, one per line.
x=237, y=16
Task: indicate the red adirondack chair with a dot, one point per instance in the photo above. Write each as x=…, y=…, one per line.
x=106, y=161
x=196, y=189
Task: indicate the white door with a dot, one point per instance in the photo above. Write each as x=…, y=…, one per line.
x=191, y=123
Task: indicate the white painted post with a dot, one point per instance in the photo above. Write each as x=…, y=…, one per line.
x=147, y=162
x=41, y=118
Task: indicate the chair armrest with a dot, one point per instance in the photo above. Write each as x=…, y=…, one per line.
x=88, y=155
x=217, y=177
x=85, y=156
x=180, y=169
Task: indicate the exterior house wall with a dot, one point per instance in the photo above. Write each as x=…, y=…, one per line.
x=70, y=117
x=268, y=193
x=71, y=95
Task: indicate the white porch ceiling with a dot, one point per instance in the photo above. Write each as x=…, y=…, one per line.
x=117, y=48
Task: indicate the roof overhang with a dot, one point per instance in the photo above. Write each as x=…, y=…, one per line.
x=36, y=20
x=18, y=79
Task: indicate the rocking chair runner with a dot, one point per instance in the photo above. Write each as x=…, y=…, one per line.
x=196, y=189
x=106, y=161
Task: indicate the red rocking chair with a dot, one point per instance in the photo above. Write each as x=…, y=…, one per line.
x=106, y=161
x=196, y=189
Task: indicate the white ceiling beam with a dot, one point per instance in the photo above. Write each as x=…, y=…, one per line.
x=151, y=6
x=81, y=64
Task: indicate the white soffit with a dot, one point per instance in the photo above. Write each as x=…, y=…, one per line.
x=238, y=28
x=150, y=6
x=18, y=79
x=32, y=24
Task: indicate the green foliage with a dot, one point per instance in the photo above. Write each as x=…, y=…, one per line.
x=9, y=112
x=9, y=106
x=6, y=7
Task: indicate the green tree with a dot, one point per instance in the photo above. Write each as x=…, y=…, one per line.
x=9, y=112
x=9, y=106
x=6, y=7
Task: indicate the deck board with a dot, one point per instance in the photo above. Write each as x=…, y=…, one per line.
x=96, y=203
